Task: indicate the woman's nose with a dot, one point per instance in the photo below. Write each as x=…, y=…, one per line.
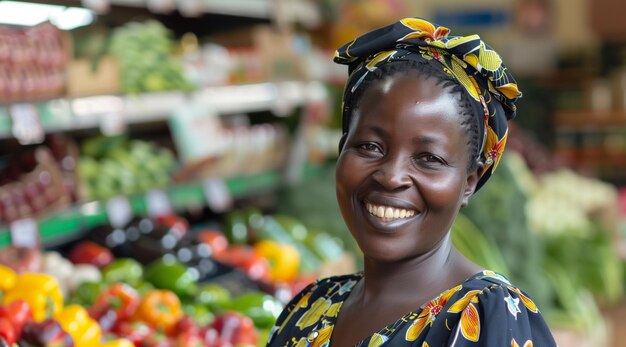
x=393, y=174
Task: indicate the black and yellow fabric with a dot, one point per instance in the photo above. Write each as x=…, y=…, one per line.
x=485, y=310
x=471, y=61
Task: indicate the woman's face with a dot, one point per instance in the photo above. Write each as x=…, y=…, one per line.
x=402, y=174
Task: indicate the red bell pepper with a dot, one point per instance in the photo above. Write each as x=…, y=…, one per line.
x=7, y=331
x=235, y=328
x=185, y=326
x=120, y=297
x=17, y=313
x=89, y=252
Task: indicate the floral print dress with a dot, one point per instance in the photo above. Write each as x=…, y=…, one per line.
x=485, y=310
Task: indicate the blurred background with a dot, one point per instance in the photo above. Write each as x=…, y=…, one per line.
x=189, y=145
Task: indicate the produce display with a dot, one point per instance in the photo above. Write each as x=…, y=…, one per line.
x=144, y=52
x=111, y=313
x=161, y=282
x=38, y=180
x=32, y=62
x=115, y=165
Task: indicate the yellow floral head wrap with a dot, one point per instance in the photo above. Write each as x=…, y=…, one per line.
x=476, y=66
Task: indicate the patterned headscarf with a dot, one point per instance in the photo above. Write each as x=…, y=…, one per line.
x=478, y=68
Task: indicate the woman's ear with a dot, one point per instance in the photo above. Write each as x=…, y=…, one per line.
x=472, y=180
x=342, y=141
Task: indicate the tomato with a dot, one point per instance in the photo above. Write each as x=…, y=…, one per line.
x=88, y=252
x=244, y=258
x=177, y=225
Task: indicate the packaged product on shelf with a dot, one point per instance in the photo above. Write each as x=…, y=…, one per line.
x=85, y=78
x=210, y=146
x=33, y=184
x=33, y=62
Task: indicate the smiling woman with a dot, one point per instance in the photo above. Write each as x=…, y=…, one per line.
x=425, y=123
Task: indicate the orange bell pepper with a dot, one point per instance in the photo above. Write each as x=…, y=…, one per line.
x=160, y=309
x=40, y=291
x=284, y=259
x=7, y=278
x=75, y=320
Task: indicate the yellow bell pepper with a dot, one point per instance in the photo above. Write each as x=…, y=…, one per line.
x=40, y=291
x=118, y=343
x=7, y=278
x=75, y=320
x=284, y=259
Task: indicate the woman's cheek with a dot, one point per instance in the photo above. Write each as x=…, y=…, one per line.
x=439, y=189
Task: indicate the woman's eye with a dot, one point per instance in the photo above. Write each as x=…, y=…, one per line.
x=370, y=147
x=430, y=159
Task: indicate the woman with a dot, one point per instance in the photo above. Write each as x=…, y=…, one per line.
x=425, y=123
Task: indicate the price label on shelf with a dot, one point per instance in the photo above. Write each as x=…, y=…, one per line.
x=113, y=123
x=119, y=211
x=217, y=195
x=158, y=203
x=27, y=127
x=25, y=233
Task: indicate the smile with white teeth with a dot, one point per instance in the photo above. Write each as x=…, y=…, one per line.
x=388, y=212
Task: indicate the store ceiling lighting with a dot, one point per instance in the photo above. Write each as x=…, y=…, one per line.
x=29, y=14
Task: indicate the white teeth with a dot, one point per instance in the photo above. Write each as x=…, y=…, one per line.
x=388, y=212
x=380, y=211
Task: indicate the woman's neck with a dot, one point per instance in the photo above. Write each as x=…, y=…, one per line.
x=425, y=275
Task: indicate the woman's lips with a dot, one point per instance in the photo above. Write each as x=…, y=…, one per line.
x=389, y=213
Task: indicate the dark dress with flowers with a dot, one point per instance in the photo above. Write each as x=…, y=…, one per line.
x=485, y=310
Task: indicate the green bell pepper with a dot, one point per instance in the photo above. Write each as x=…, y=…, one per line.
x=143, y=287
x=171, y=275
x=124, y=270
x=86, y=293
x=262, y=308
x=199, y=314
x=214, y=296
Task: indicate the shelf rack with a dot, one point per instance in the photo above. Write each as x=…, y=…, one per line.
x=70, y=114
x=64, y=224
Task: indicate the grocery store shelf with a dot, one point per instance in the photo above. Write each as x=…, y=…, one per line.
x=83, y=216
x=91, y=214
x=300, y=11
x=100, y=111
x=590, y=119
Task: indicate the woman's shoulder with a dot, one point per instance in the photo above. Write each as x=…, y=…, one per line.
x=487, y=286
x=488, y=307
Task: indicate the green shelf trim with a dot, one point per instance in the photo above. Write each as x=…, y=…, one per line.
x=84, y=216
